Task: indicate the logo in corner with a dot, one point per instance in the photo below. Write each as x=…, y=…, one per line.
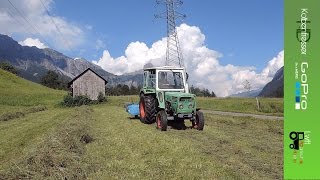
x=296, y=137
x=299, y=140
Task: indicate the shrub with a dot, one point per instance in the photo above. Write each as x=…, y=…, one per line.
x=81, y=100
x=8, y=67
x=54, y=80
x=68, y=100
x=101, y=98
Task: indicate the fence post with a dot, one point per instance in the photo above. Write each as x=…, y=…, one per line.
x=258, y=103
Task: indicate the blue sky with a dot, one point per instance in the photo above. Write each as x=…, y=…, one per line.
x=243, y=40
x=246, y=32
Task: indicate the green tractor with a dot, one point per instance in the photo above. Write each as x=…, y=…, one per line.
x=165, y=97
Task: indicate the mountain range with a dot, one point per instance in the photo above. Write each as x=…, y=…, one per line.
x=32, y=63
x=275, y=87
x=252, y=93
x=272, y=89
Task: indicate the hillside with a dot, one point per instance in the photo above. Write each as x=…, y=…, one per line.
x=17, y=93
x=35, y=132
x=19, y=97
x=275, y=87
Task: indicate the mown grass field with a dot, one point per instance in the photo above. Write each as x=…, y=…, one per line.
x=229, y=147
x=55, y=143
x=268, y=106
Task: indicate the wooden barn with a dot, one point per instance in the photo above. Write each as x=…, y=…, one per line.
x=88, y=83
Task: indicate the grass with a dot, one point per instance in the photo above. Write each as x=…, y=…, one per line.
x=30, y=109
x=58, y=154
x=19, y=136
x=50, y=142
x=17, y=94
x=17, y=114
x=229, y=147
x=28, y=114
x=268, y=106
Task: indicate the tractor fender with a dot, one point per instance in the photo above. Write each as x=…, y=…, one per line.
x=158, y=95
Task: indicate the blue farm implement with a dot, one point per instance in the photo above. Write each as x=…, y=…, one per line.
x=133, y=109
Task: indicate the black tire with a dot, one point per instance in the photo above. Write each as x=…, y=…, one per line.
x=162, y=122
x=199, y=122
x=147, y=108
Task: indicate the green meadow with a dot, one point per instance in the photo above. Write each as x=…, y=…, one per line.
x=40, y=139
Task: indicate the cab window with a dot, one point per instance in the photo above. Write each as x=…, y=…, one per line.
x=170, y=80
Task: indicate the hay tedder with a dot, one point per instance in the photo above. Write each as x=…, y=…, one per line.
x=165, y=97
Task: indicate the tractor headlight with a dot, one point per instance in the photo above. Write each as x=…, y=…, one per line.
x=181, y=106
x=190, y=106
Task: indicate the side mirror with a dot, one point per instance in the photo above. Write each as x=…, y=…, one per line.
x=187, y=76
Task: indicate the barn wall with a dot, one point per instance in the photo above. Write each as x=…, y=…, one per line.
x=89, y=84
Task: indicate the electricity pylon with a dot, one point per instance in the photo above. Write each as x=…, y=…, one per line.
x=173, y=53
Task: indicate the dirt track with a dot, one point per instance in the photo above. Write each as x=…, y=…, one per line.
x=258, y=116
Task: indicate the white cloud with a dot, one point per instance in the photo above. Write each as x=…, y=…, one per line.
x=274, y=65
x=12, y=22
x=136, y=56
x=108, y=63
x=201, y=62
x=33, y=42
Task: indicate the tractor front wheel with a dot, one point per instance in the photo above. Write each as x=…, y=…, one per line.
x=199, y=122
x=147, y=108
x=162, y=122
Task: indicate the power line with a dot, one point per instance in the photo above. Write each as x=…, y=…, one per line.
x=19, y=22
x=30, y=24
x=57, y=27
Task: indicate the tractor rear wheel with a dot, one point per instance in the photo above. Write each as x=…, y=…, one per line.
x=199, y=122
x=147, y=108
x=162, y=122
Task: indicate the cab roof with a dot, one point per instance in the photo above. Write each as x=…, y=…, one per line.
x=164, y=68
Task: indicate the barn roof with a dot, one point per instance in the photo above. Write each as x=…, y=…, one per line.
x=69, y=84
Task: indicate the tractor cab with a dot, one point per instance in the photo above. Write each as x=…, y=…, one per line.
x=165, y=96
x=165, y=79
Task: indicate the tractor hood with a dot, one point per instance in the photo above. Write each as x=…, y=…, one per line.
x=180, y=102
x=178, y=95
